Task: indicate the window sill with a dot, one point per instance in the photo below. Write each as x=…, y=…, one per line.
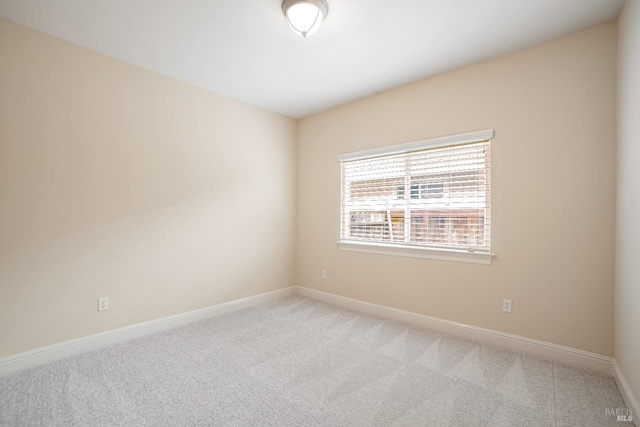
x=416, y=252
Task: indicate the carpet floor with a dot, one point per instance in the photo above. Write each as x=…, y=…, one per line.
x=299, y=362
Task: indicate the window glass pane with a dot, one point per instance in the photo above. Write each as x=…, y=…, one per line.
x=435, y=197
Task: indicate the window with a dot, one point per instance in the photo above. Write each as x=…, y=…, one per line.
x=426, y=197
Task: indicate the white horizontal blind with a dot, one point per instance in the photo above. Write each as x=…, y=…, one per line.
x=432, y=197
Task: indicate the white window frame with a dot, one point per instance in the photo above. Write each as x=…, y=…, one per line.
x=398, y=249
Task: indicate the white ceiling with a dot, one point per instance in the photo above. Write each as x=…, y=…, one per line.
x=245, y=50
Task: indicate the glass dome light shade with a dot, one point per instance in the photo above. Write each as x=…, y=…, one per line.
x=305, y=16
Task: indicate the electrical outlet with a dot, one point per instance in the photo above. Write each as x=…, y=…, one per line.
x=324, y=274
x=506, y=305
x=103, y=304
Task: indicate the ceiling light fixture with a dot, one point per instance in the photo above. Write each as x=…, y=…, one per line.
x=305, y=16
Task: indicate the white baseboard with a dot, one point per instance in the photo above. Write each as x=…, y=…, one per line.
x=570, y=355
x=627, y=394
x=53, y=352
x=542, y=348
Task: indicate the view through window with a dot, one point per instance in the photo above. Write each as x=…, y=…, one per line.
x=437, y=197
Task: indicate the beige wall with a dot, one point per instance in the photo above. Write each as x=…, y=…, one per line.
x=553, y=175
x=627, y=330
x=119, y=182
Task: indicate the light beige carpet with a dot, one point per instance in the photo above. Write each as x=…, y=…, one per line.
x=299, y=362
